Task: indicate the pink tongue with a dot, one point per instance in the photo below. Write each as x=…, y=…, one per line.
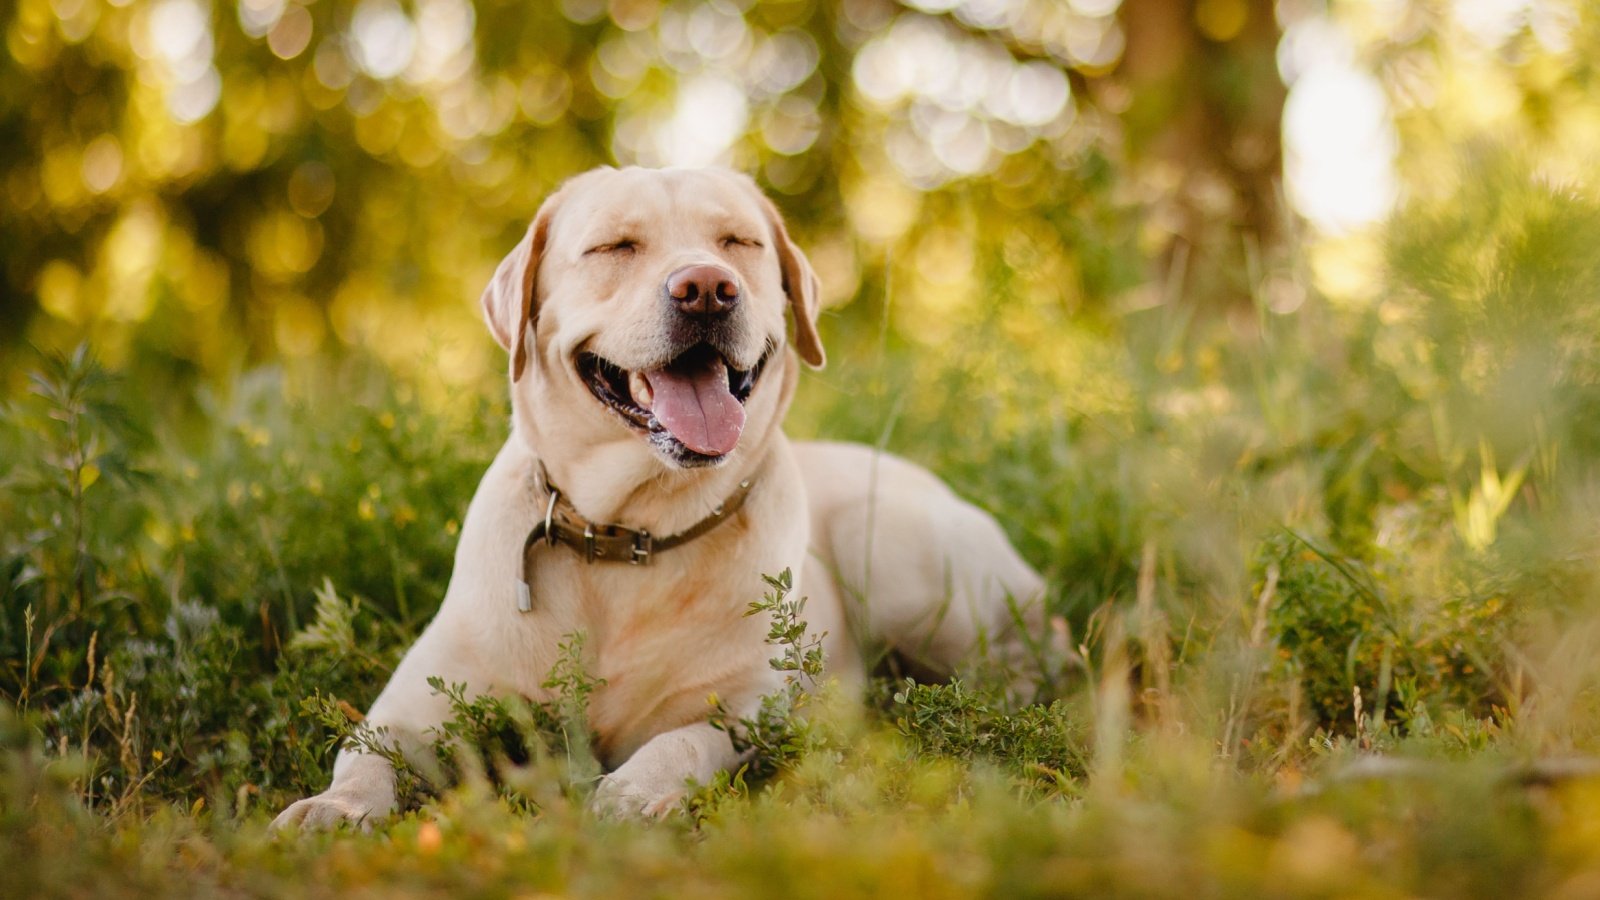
x=697, y=407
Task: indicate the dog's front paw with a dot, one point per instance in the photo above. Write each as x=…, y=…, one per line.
x=330, y=808
x=623, y=796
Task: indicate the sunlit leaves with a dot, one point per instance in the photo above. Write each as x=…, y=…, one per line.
x=240, y=169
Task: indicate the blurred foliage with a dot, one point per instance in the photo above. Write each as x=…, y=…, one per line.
x=200, y=188
x=1328, y=547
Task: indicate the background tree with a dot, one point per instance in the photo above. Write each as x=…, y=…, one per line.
x=1202, y=125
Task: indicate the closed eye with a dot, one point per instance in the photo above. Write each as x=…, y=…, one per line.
x=733, y=240
x=625, y=245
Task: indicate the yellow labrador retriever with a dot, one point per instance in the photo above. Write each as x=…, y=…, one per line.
x=647, y=486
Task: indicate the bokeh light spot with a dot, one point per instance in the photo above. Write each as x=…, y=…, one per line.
x=102, y=164
x=384, y=38
x=1339, y=142
x=291, y=34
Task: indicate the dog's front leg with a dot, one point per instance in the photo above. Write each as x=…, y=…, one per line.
x=656, y=777
x=363, y=788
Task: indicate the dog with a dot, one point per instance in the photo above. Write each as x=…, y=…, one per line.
x=647, y=486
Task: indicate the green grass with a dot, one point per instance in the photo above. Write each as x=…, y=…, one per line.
x=1333, y=575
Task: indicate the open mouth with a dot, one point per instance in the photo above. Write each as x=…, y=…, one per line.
x=692, y=408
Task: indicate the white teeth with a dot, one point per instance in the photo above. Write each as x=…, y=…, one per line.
x=639, y=387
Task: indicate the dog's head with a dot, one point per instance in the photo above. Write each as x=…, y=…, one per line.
x=647, y=305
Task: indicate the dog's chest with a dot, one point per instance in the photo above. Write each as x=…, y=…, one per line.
x=666, y=650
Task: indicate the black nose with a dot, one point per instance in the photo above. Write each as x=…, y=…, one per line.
x=703, y=290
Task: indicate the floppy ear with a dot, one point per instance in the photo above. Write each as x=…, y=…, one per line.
x=508, y=300
x=801, y=284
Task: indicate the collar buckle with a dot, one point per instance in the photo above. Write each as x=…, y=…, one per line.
x=642, y=545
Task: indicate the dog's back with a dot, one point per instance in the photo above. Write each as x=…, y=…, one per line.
x=919, y=571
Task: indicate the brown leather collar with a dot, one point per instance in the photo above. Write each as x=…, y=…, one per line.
x=607, y=543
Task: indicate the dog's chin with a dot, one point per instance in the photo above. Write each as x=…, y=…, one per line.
x=627, y=395
x=676, y=453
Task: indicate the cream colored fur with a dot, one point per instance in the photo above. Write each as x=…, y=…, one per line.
x=886, y=554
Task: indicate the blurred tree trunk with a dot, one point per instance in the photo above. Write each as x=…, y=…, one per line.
x=1202, y=125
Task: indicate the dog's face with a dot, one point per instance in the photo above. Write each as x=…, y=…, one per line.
x=649, y=305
